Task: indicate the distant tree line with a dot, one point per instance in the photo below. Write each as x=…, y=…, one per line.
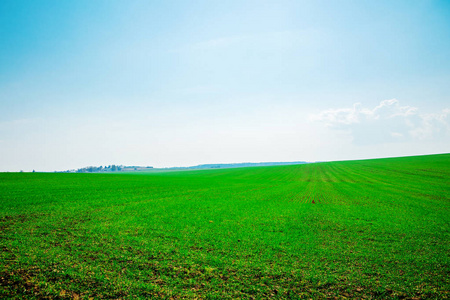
x=92, y=169
x=110, y=168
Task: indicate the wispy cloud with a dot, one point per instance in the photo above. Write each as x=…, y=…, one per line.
x=268, y=39
x=19, y=124
x=200, y=89
x=387, y=122
x=218, y=42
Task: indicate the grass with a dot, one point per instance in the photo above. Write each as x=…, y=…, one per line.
x=353, y=229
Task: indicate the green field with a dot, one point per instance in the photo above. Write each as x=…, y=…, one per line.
x=353, y=229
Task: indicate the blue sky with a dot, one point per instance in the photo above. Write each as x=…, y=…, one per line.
x=175, y=83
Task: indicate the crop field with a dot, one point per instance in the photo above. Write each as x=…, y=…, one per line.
x=368, y=229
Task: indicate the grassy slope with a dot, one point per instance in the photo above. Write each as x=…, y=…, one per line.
x=376, y=229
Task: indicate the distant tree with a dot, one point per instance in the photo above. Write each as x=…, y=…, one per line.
x=113, y=168
x=34, y=171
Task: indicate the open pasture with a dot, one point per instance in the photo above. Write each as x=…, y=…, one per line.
x=352, y=229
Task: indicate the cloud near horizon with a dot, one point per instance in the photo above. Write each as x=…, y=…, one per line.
x=387, y=122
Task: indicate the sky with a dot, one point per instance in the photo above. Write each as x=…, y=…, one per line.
x=180, y=83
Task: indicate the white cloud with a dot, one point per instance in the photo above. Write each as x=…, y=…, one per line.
x=387, y=122
x=437, y=124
